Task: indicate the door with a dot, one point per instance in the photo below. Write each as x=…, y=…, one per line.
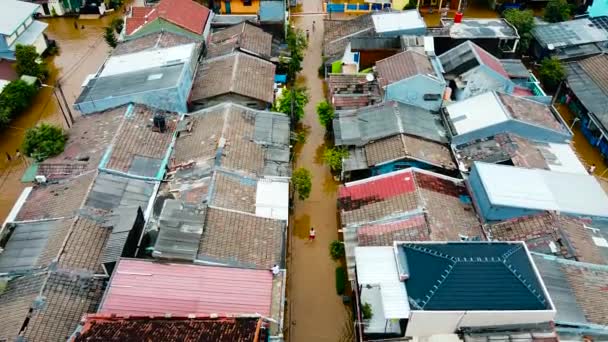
x=45, y=8
x=227, y=6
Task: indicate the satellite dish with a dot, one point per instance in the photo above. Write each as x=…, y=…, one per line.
x=369, y=77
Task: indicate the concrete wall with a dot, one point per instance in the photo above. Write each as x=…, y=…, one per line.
x=413, y=89
x=234, y=98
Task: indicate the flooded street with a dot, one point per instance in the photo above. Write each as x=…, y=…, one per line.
x=315, y=310
x=81, y=53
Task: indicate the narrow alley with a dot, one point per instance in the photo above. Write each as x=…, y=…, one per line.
x=316, y=312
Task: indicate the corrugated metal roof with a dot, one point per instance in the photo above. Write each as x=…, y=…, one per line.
x=377, y=265
x=272, y=11
x=147, y=288
x=582, y=80
x=180, y=229
x=543, y=190
x=111, y=191
x=569, y=33
x=476, y=113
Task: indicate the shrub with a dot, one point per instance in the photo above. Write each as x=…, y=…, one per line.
x=557, y=11
x=117, y=24
x=524, y=23
x=43, y=141
x=110, y=37
x=296, y=42
x=366, y=311
x=326, y=114
x=302, y=182
x=333, y=157
x=551, y=73
x=300, y=99
x=410, y=5
x=26, y=62
x=336, y=250
x=14, y=99
x=340, y=280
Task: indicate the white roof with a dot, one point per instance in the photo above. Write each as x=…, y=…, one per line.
x=377, y=266
x=147, y=59
x=29, y=36
x=398, y=21
x=271, y=199
x=14, y=13
x=476, y=112
x=572, y=193
x=561, y=158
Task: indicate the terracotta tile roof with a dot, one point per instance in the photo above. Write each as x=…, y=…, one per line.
x=384, y=150
x=352, y=91
x=186, y=14
x=155, y=40
x=401, y=66
x=489, y=60
x=404, y=146
x=232, y=191
x=411, y=229
x=137, y=138
x=568, y=234
x=66, y=298
x=183, y=289
x=98, y=328
x=531, y=111
x=337, y=33
x=85, y=246
x=597, y=69
x=589, y=287
x=15, y=302
x=236, y=73
x=245, y=36
x=241, y=239
x=56, y=200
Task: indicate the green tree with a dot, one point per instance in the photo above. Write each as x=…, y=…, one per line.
x=336, y=250
x=302, y=182
x=117, y=24
x=551, y=73
x=110, y=37
x=27, y=62
x=326, y=114
x=333, y=157
x=43, y=141
x=557, y=11
x=299, y=97
x=410, y=5
x=366, y=311
x=524, y=23
x=296, y=43
x=14, y=99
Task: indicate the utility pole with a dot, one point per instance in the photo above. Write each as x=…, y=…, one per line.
x=62, y=111
x=65, y=102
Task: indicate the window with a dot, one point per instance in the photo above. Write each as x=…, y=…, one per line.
x=247, y=2
x=431, y=97
x=28, y=21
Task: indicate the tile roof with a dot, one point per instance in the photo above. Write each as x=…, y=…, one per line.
x=244, y=36
x=531, y=112
x=181, y=290
x=471, y=276
x=66, y=298
x=569, y=236
x=413, y=228
x=352, y=91
x=468, y=55
x=487, y=59
x=154, y=40
x=85, y=246
x=89, y=137
x=405, y=146
x=56, y=200
x=186, y=14
x=401, y=66
x=588, y=79
x=235, y=192
x=239, y=138
x=33, y=245
x=337, y=33
x=15, y=302
x=236, y=73
x=241, y=239
x=138, y=148
x=240, y=329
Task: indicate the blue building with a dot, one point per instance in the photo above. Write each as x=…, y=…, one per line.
x=491, y=113
x=413, y=78
x=502, y=192
x=17, y=26
x=159, y=77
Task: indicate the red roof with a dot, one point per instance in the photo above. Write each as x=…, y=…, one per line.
x=521, y=91
x=186, y=14
x=491, y=61
x=381, y=187
x=141, y=287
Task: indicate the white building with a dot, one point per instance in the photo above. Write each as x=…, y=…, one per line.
x=17, y=26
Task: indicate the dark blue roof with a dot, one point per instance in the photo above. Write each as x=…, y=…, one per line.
x=471, y=276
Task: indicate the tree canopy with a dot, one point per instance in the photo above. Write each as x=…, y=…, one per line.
x=524, y=23
x=43, y=141
x=110, y=37
x=302, y=182
x=14, y=99
x=557, y=11
x=26, y=62
x=300, y=99
x=296, y=42
x=326, y=114
x=333, y=157
x=551, y=73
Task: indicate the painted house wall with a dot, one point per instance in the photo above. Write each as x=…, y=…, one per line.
x=238, y=7
x=598, y=8
x=516, y=127
x=5, y=52
x=487, y=210
x=159, y=25
x=412, y=90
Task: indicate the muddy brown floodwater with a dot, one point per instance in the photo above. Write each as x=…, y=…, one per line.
x=316, y=312
x=82, y=51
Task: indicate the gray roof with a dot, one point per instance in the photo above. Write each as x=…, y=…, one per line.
x=111, y=191
x=122, y=220
x=475, y=28
x=132, y=83
x=181, y=227
x=14, y=14
x=33, y=245
x=586, y=79
x=515, y=68
x=359, y=127
x=569, y=33
x=375, y=43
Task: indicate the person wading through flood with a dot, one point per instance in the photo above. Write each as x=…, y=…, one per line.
x=311, y=234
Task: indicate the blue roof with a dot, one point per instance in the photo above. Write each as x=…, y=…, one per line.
x=471, y=276
x=272, y=11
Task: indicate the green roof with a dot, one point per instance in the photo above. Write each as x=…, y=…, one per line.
x=471, y=276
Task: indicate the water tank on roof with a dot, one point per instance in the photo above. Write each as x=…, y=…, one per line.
x=160, y=122
x=458, y=18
